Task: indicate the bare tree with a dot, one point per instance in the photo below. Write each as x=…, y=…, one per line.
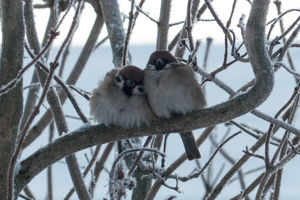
x=263, y=49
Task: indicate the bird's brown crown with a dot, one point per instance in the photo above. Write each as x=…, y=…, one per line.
x=165, y=55
x=133, y=72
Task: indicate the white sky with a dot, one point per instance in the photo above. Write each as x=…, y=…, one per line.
x=145, y=30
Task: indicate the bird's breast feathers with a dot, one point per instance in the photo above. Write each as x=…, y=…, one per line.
x=123, y=111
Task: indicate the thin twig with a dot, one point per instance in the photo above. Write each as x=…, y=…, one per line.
x=24, y=197
x=278, y=8
x=10, y=85
x=285, y=137
x=164, y=150
x=277, y=39
x=201, y=11
x=101, y=42
x=86, y=170
x=256, y=136
x=146, y=14
x=196, y=174
x=283, y=150
x=137, y=160
x=224, y=66
x=212, y=11
x=226, y=51
x=29, y=193
x=296, y=75
x=226, y=37
x=248, y=172
x=120, y=156
x=60, y=119
x=289, y=41
x=64, y=87
x=257, y=113
x=154, y=189
x=269, y=133
x=36, y=130
x=186, y=31
x=277, y=19
x=247, y=152
x=98, y=168
x=192, y=57
x=287, y=158
x=229, y=159
x=173, y=42
x=231, y=14
x=129, y=31
x=269, y=168
x=250, y=188
x=26, y=128
x=136, y=14
x=83, y=93
x=49, y=169
x=189, y=25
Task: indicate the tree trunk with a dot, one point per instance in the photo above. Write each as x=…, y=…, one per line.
x=11, y=103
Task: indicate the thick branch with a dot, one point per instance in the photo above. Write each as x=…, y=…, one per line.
x=31, y=34
x=11, y=104
x=163, y=25
x=114, y=25
x=92, y=135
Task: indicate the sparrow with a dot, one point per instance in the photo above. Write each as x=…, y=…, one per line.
x=172, y=88
x=120, y=100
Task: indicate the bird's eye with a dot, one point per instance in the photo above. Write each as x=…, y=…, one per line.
x=140, y=89
x=118, y=79
x=160, y=62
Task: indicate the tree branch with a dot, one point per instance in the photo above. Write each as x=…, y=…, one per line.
x=72, y=79
x=114, y=25
x=256, y=48
x=163, y=25
x=11, y=104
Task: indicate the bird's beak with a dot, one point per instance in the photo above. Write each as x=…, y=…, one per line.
x=159, y=64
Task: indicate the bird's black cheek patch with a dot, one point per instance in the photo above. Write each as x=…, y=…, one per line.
x=118, y=79
x=141, y=89
x=158, y=67
x=127, y=91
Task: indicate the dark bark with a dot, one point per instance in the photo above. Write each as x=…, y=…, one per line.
x=11, y=103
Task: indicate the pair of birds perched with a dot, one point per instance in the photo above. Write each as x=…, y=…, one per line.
x=130, y=97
